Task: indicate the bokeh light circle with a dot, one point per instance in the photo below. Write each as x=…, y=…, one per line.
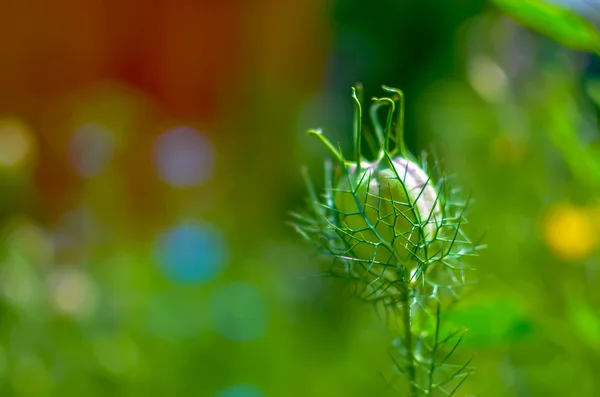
x=241, y=391
x=30, y=242
x=17, y=142
x=192, y=252
x=184, y=156
x=569, y=231
x=239, y=312
x=90, y=149
x=73, y=293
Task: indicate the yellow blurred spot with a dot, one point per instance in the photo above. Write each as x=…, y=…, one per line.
x=16, y=142
x=569, y=232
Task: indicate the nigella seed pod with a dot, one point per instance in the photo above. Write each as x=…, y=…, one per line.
x=388, y=212
x=393, y=232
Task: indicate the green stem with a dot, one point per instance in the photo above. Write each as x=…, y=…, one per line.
x=434, y=350
x=400, y=123
x=408, y=339
x=312, y=193
x=388, y=124
x=319, y=134
x=357, y=129
x=376, y=124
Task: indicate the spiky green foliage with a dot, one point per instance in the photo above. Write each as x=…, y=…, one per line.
x=394, y=230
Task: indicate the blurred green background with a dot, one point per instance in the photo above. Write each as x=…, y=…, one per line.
x=150, y=154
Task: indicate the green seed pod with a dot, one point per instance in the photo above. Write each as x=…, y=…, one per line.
x=394, y=232
x=388, y=212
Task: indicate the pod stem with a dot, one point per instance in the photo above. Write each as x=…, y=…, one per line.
x=388, y=124
x=319, y=134
x=357, y=128
x=400, y=123
x=411, y=370
x=376, y=125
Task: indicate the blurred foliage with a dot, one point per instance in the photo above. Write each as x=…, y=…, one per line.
x=92, y=184
x=562, y=25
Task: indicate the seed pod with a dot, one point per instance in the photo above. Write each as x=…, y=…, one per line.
x=388, y=214
x=397, y=238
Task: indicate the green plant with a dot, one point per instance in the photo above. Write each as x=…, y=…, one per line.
x=393, y=230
